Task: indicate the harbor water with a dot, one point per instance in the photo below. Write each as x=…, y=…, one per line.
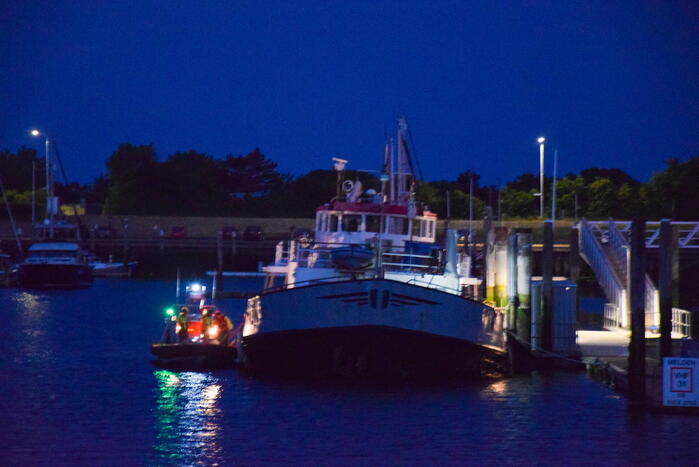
x=78, y=387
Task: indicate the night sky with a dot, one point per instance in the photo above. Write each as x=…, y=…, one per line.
x=611, y=84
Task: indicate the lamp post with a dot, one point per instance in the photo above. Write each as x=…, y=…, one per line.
x=541, y=140
x=49, y=185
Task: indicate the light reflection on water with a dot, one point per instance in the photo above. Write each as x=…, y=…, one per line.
x=32, y=311
x=188, y=418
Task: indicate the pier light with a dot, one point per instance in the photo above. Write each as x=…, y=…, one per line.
x=541, y=140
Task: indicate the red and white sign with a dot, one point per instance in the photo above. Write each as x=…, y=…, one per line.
x=681, y=382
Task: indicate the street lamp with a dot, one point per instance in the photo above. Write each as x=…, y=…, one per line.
x=49, y=185
x=541, y=140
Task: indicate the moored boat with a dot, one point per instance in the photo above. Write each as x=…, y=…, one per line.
x=375, y=294
x=197, y=346
x=55, y=264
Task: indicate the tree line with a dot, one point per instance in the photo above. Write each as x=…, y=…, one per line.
x=189, y=183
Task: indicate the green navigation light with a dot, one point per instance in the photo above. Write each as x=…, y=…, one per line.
x=170, y=312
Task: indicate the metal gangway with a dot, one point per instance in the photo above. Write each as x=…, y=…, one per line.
x=605, y=247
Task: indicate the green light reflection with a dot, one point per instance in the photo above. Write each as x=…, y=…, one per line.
x=188, y=418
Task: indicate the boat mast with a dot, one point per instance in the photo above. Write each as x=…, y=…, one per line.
x=12, y=219
x=49, y=188
x=33, y=194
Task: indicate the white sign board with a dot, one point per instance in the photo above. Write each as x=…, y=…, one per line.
x=681, y=382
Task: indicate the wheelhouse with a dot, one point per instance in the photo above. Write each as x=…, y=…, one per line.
x=357, y=223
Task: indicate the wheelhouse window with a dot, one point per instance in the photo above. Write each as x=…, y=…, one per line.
x=372, y=223
x=319, y=222
x=351, y=222
x=415, y=229
x=332, y=225
x=397, y=225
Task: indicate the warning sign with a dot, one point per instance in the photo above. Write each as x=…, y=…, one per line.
x=681, y=382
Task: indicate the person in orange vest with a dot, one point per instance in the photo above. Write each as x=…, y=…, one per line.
x=225, y=326
x=206, y=323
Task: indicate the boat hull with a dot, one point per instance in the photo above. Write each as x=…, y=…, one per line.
x=373, y=327
x=374, y=352
x=210, y=355
x=55, y=275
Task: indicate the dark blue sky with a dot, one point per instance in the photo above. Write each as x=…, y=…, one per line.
x=612, y=84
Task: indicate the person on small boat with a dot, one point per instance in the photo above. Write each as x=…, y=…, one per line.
x=182, y=325
x=224, y=324
x=207, y=320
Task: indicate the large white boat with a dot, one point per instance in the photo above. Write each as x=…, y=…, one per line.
x=374, y=294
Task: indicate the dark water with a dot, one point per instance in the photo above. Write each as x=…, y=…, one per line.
x=77, y=387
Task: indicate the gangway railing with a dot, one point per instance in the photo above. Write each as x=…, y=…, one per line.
x=620, y=249
x=602, y=266
x=682, y=322
x=687, y=232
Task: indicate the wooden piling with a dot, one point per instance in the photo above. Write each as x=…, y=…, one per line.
x=234, y=239
x=547, y=287
x=665, y=289
x=512, y=301
x=637, y=289
x=218, y=279
x=125, y=225
x=487, y=227
x=524, y=282
x=500, y=253
x=574, y=255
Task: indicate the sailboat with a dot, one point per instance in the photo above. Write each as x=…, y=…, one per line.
x=57, y=260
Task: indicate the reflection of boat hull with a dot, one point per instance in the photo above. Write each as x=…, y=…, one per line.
x=369, y=351
x=55, y=275
x=206, y=354
x=352, y=257
x=381, y=327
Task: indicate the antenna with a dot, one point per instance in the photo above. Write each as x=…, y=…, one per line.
x=339, y=168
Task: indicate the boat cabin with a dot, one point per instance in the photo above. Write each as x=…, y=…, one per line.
x=56, y=252
x=359, y=223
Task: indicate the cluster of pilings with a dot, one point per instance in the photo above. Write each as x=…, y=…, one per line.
x=509, y=264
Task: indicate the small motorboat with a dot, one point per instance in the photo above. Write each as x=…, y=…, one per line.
x=352, y=257
x=198, y=348
x=112, y=268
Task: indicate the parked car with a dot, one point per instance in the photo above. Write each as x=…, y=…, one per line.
x=229, y=232
x=253, y=232
x=105, y=231
x=178, y=231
